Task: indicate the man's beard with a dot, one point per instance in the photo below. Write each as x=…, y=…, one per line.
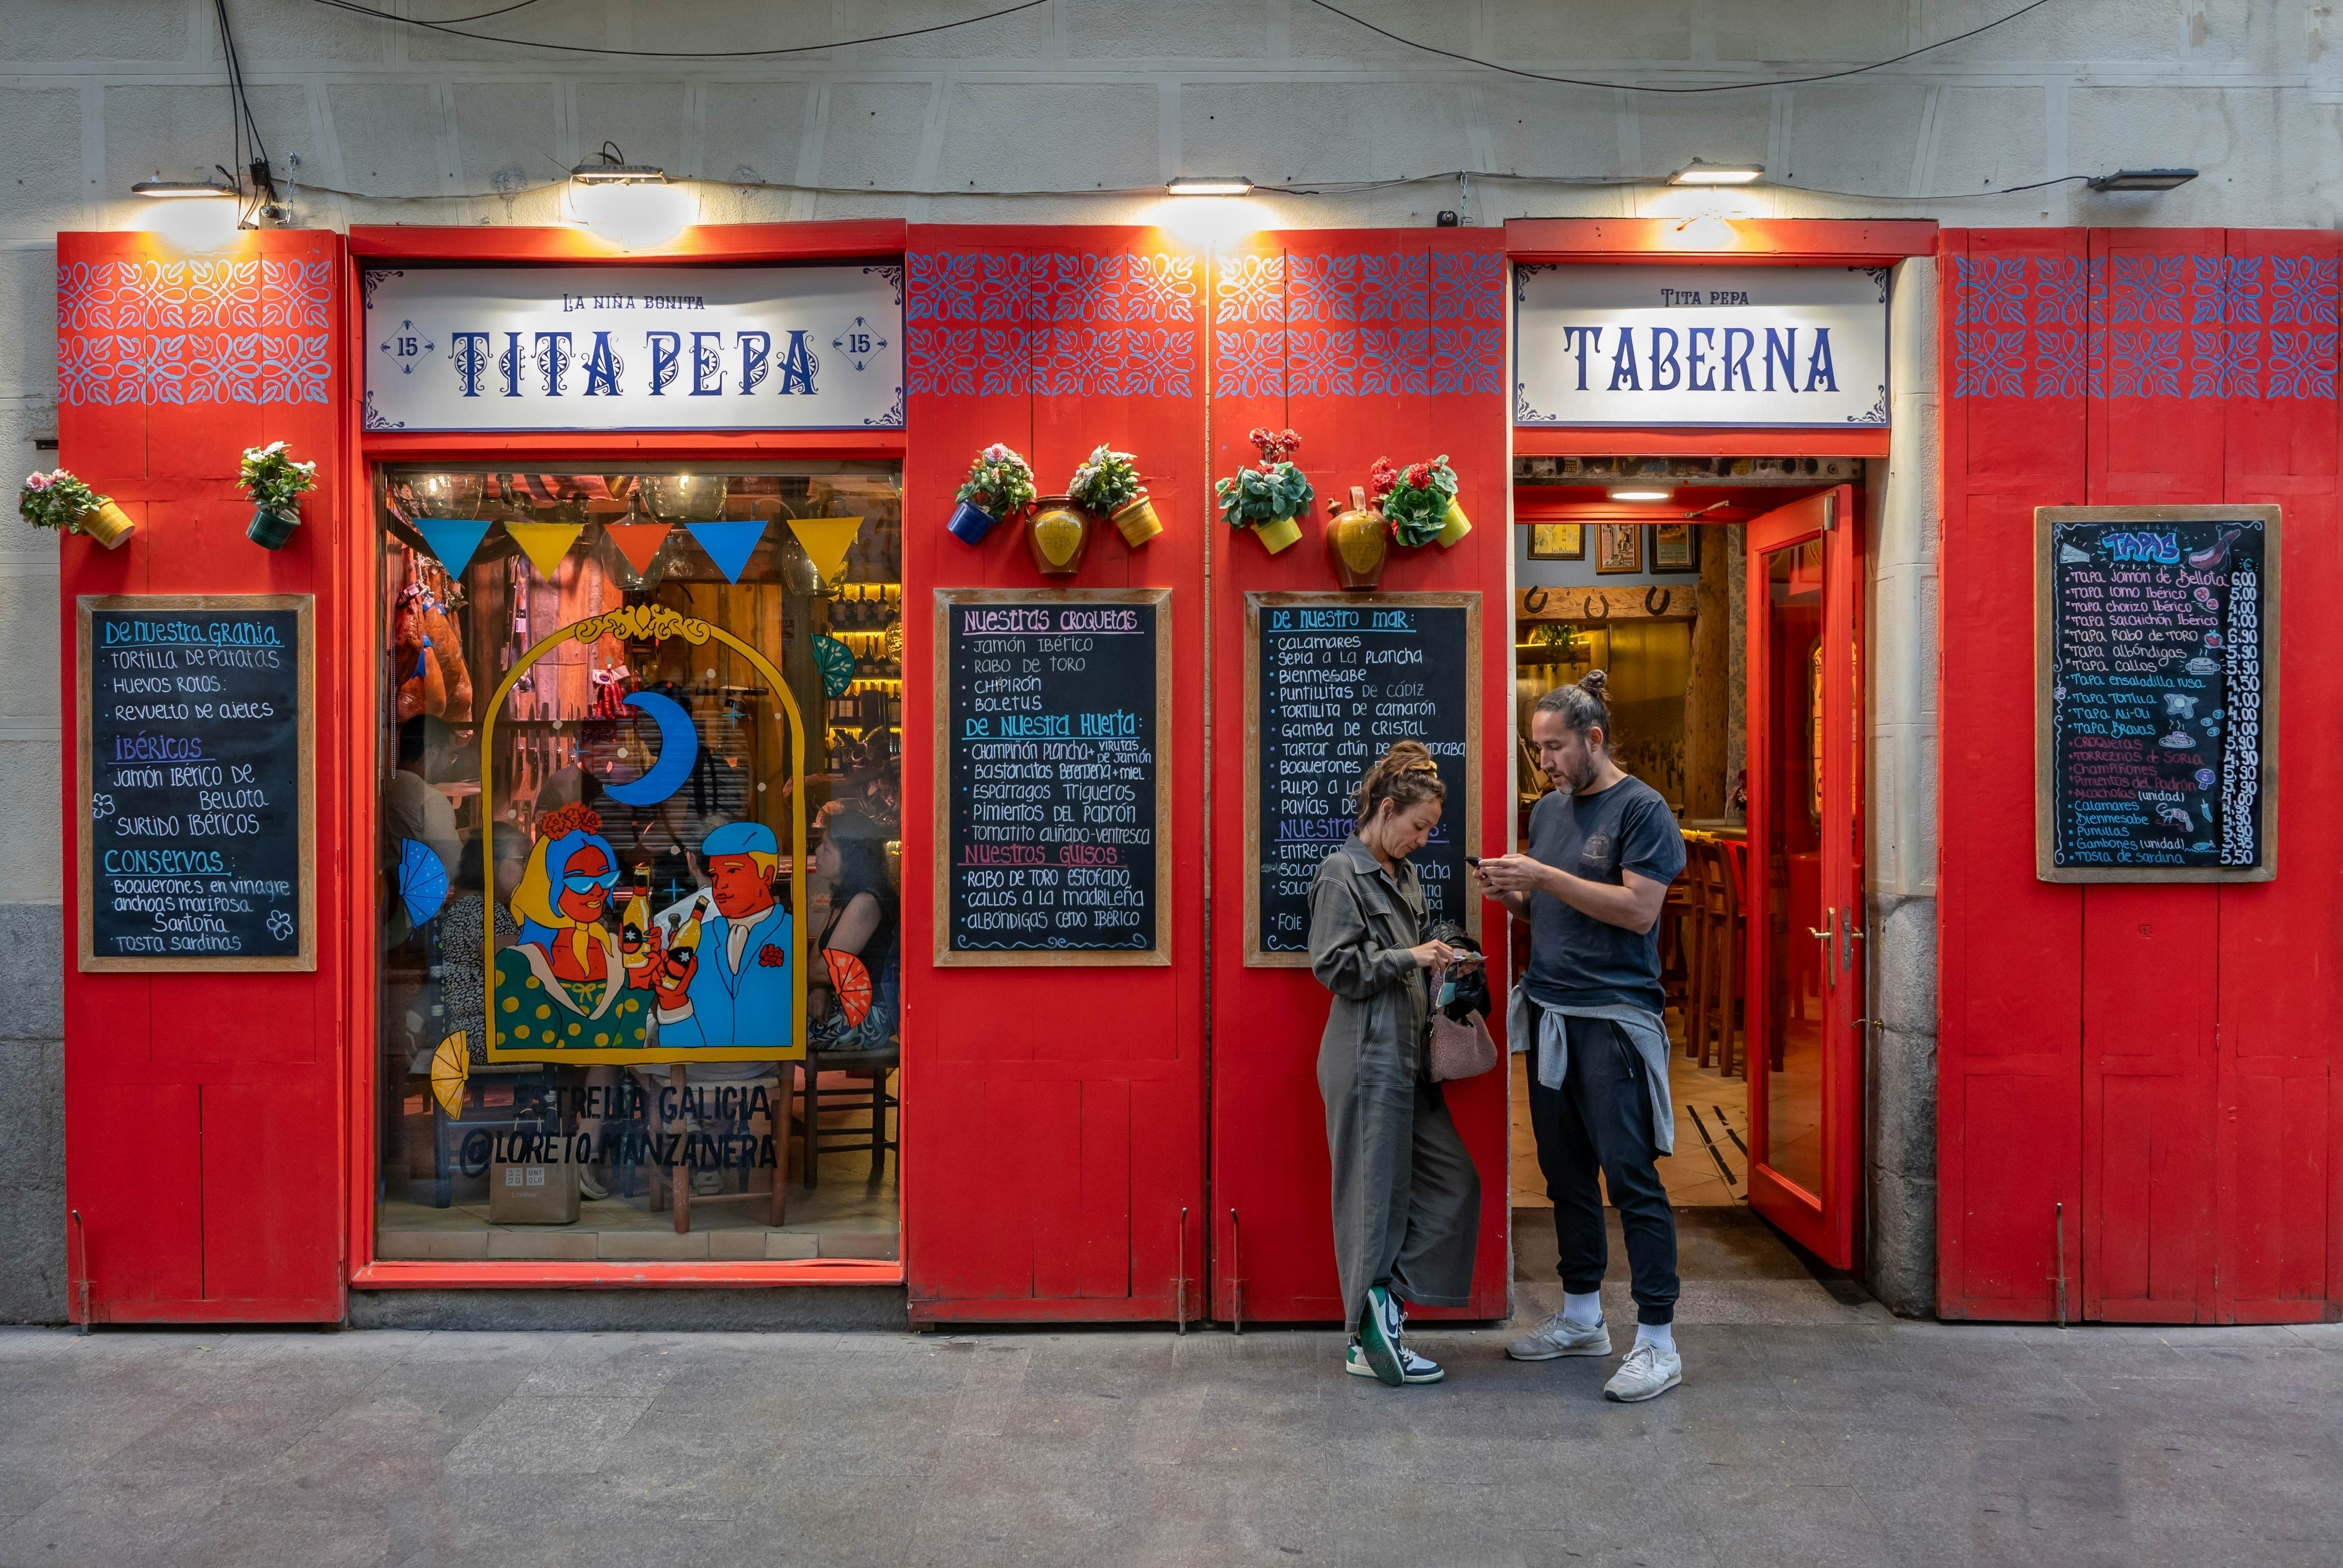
x=1575, y=780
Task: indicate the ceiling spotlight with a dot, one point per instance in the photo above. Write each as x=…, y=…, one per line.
x=161, y=189
x=1701, y=172
x=1640, y=493
x=1210, y=186
x=609, y=167
x=2142, y=179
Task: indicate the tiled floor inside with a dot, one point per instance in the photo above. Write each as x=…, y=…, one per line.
x=1710, y=1164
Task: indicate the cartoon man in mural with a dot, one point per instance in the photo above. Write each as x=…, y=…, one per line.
x=734, y=978
x=566, y=985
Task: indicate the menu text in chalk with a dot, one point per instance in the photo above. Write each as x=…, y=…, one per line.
x=1331, y=681
x=195, y=840
x=1050, y=789
x=2156, y=627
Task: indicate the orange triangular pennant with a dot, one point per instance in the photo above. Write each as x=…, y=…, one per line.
x=639, y=542
x=545, y=543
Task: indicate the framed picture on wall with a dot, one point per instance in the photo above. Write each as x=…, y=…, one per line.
x=1557, y=541
x=1618, y=547
x=1676, y=547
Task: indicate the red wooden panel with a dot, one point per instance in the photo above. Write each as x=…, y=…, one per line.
x=2278, y=1117
x=1368, y=344
x=236, y=1215
x=1024, y=1193
x=2009, y=948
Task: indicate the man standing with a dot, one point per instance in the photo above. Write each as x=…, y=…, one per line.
x=1603, y=847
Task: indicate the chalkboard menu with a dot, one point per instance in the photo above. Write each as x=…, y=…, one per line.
x=2156, y=641
x=1331, y=681
x=1052, y=805
x=198, y=840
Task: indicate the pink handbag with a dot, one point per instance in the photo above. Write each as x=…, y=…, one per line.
x=1461, y=1049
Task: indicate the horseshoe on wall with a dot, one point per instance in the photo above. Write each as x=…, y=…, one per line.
x=1534, y=600
x=1666, y=596
x=1588, y=611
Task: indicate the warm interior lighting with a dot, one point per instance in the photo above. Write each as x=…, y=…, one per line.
x=1207, y=222
x=2142, y=179
x=1640, y=493
x=189, y=215
x=1701, y=172
x=1210, y=186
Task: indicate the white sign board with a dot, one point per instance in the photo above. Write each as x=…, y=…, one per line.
x=635, y=347
x=1655, y=345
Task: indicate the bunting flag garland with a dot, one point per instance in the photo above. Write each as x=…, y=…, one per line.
x=639, y=542
x=826, y=542
x=730, y=544
x=453, y=539
x=545, y=543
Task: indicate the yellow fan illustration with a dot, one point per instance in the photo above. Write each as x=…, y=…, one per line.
x=451, y=1064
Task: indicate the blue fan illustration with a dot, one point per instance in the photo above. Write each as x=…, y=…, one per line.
x=422, y=879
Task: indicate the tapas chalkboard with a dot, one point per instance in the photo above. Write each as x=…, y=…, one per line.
x=1331, y=681
x=2156, y=668
x=1054, y=806
x=198, y=840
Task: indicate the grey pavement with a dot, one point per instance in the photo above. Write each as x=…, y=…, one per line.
x=1810, y=1429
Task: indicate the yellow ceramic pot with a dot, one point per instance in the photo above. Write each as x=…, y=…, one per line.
x=1453, y=527
x=1278, y=534
x=1358, y=541
x=1136, y=520
x=1058, y=534
x=108, y=524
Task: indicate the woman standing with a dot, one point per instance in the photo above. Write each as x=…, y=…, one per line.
x=1407, y=1200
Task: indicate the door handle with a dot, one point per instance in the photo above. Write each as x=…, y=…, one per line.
x=1830, y=925
x=1849, y=935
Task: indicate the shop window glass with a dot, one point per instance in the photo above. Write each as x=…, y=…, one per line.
x=640, y=852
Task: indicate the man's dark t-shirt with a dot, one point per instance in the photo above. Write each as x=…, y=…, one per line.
x=1575, y=959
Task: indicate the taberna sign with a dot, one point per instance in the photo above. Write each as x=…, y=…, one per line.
x=634, y=347
x=1659, y=345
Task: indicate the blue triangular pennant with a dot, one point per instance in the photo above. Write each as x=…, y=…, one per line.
x=452, y=540
x=730, y=544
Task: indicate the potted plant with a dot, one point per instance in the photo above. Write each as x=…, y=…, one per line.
x=59, y=500
x=1106, y=486
x=1419, y=501
x=1000, y=484
x=1268, y=496
x=275, y=484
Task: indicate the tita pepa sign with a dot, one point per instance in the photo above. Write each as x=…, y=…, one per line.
x=1700, y=345
x=634, y=347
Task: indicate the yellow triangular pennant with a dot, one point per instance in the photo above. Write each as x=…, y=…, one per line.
x=545, y=543
x=826, y=542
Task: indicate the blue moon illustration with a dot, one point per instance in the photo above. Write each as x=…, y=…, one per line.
x=679, y=751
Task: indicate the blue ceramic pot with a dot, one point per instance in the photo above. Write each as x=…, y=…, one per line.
x=970, y=523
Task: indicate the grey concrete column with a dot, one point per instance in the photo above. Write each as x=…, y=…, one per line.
x=1899, y=1227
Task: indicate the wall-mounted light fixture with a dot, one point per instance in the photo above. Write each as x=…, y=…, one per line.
x=1640, y=493
x=1701, y=172
x=629, y=205
x=1210, y=186
x=2142, y=179
x=190, y=214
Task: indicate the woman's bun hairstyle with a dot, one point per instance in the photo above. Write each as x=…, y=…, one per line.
x=1405, y=775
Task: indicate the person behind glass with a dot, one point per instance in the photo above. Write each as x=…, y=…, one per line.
x=863, y=925
x=1603, y=847
x=1407, y=1200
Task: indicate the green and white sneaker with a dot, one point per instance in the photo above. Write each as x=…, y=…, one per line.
x=1413, y=1368
x=1379, y=1327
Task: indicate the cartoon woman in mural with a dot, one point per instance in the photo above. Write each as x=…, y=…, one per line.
x=566, y=985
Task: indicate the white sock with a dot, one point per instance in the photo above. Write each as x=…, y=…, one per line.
x=1583, y=1312
x=1663, y=1335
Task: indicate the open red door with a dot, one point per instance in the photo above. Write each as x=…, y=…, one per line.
x=1805, y=933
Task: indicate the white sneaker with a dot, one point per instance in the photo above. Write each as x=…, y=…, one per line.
x=1558, y=1336
x=1648, y=1373
x=1413, y=1368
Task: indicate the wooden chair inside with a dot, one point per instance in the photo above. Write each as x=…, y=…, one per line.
x=867, y=1091
x=670, y=1181
x=1693, y=935
x=1730, y=936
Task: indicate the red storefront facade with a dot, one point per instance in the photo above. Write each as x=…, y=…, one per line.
x=1146, y=1144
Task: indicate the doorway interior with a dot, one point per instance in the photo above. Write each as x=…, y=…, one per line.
x=1729, y=691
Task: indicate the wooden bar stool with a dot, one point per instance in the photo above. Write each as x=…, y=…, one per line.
x=1732, y=942
x=1698, y=945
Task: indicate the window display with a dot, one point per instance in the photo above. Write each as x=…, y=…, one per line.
x=641, y=846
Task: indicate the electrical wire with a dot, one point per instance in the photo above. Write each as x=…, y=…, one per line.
x=1650, y=87
x=352, y=5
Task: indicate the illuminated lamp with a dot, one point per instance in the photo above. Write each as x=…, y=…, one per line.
x=1701, y=172
x=190, y=214
x=1640, y=493
x=631, y=206
x=1210, y=186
